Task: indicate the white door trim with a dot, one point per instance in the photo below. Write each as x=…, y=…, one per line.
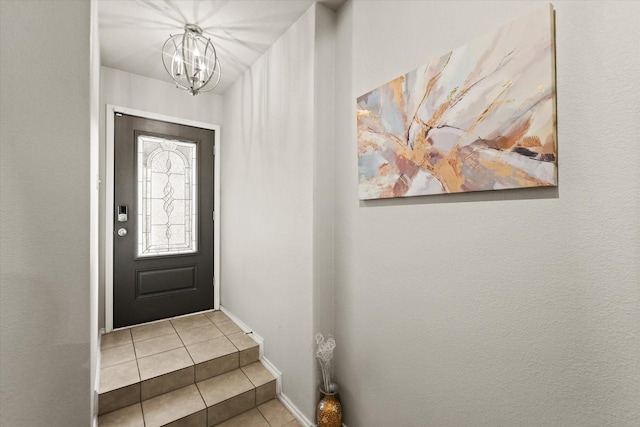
x=109, y=203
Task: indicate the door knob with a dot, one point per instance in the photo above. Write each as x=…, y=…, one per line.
x=122, y=232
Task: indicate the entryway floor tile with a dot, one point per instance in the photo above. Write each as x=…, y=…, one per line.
x=164, y=363
x=190, y=322
x=142, y=352
x=146, y=360
x=157, y=345
x=211, y=349
x=258, y=374
x=199, y=334
x=115, y=339
x=242, y=341
x=229, y=328
x=276, y=414
x=223, y=387
x=118, y=376
x=117, y=355
x=172, y=406
x=152, y=330
x=217, y=317
x=252, y=418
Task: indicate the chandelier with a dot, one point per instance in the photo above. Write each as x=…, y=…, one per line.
x=191, y=61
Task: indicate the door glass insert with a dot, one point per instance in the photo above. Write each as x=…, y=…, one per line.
x=167, y=189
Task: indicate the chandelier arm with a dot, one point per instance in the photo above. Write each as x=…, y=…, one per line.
x=216, y=65
x=206, y=47
x=219, y=68
x=163, y=54
x=186, y=69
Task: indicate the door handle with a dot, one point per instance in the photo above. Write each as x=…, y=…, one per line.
x=122, y=232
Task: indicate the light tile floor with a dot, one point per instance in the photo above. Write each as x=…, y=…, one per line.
x=140, y=353
x=270, y=414
x=149, y=352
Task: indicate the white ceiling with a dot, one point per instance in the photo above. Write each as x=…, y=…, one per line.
x=132, y=32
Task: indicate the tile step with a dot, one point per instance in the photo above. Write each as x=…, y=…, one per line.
x=269, y=414
x=209, y=402
x=147, y=361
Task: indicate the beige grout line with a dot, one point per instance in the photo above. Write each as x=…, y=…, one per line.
x=144, y=420
x=262, y=415
x=206, y=408
x=135, y=353
x=190, y=357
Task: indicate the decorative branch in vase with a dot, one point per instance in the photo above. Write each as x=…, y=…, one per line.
x=329, y=411
x=325, y=355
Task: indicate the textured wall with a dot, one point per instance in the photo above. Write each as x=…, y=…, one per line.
x=45, y=366
x=157, y=96
x=153, y=96
x=323, y=184
x=94, y=308
x=267, y=205
x=514, y=308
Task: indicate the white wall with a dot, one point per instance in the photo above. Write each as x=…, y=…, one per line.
x=94, y=183
x=324, y=146
x=514, y=308
x=272, y=139
x=149, y=95
x=157, y=96
x=45, y=319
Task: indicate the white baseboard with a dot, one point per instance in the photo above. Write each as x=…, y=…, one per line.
x=271, y=367
x=275, y=372
x=237, y=321
x=295, y=411
x=257, y=338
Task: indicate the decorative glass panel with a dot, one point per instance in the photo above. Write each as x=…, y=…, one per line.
x=167, y=189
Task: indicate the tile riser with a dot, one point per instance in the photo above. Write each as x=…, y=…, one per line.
x=209, y=416
x=119, y=398
x=265, y=393
x=164, y=384
x=223, y=411
x=147, y=389
x=216, y=367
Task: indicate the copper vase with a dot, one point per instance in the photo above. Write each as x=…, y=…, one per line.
x=329, y=412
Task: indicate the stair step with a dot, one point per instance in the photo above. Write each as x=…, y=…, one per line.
x=269, y=414
x=206, y=403
x=181, y=407
x=147, y=361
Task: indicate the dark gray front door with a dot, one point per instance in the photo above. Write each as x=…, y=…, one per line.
x=163, y=220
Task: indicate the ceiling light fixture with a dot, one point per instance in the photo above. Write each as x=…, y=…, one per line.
x=191, y=61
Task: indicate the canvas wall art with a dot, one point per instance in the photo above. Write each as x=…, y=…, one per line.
x=481, y=117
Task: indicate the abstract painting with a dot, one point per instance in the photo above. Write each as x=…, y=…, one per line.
x=482, y=117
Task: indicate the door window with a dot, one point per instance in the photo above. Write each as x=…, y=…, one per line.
x=167, y=189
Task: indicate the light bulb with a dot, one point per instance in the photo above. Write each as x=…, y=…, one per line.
x=204, y=72
x=176, y=64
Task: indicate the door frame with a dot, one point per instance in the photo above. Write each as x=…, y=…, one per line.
x=109, y=202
